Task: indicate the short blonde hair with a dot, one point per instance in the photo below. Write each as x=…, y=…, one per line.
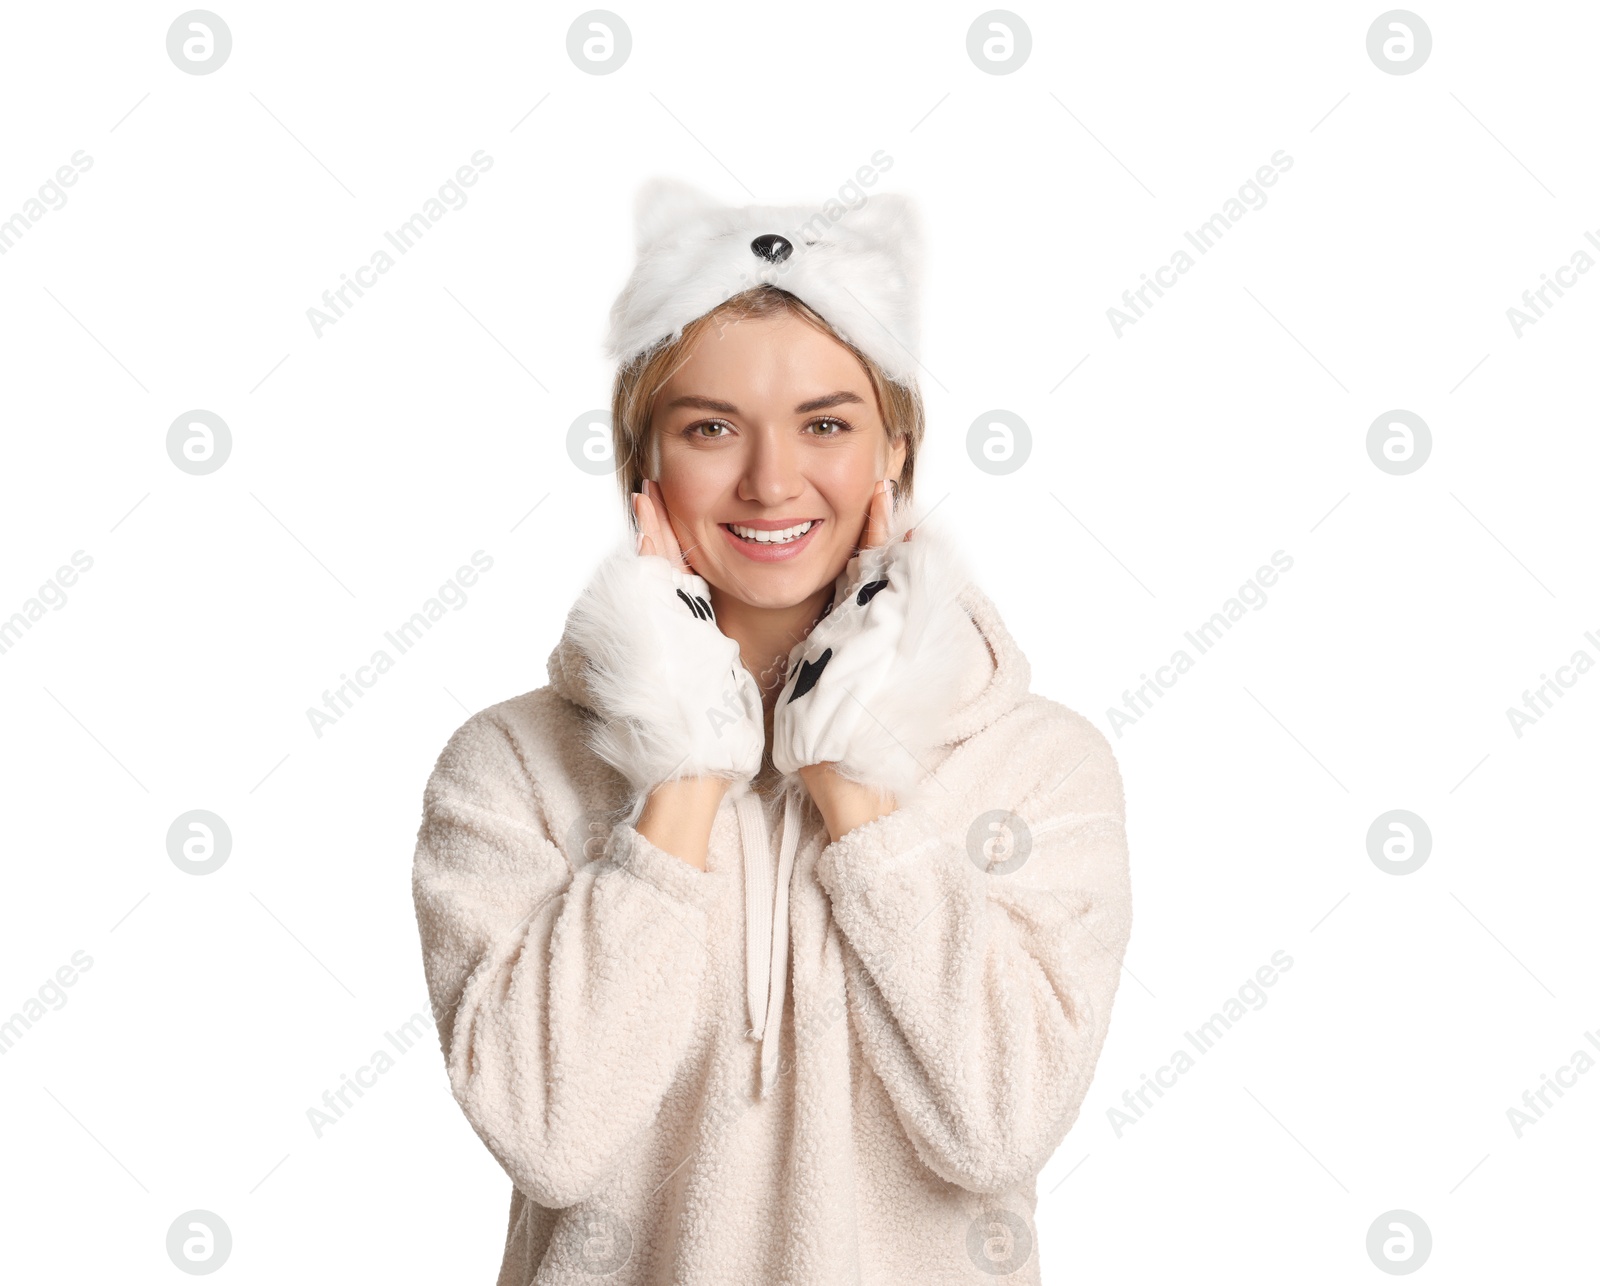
x=634, y=394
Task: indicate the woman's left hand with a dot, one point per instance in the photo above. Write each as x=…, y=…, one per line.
x=844, y=804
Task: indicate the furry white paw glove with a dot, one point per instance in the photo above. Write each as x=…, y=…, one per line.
x=674, y=698
x=870, y=687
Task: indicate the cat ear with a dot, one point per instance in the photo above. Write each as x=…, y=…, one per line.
x=663, y=204
x=893, y=224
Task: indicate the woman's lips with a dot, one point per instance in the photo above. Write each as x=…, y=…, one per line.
x=770, y=553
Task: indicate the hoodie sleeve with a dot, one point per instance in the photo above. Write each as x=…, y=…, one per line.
x=564, y=1000
x=989, y=947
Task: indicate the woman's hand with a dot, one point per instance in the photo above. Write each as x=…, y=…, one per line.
x=673, y=695
x=656, y=535
x=843, y=803
x=880, y=518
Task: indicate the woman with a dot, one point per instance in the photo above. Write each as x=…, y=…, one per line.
x=700, y=1058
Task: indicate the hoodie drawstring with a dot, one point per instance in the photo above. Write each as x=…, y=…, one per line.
x=766, y=921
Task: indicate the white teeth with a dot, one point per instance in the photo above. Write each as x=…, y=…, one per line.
x=771, y=537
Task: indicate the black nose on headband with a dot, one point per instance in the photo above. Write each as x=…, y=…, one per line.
x=772, y=247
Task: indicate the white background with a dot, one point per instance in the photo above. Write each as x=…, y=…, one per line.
x=1227, y=423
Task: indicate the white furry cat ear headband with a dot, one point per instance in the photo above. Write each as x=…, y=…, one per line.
x=858, y=267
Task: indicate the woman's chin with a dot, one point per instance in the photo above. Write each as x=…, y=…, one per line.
x=772, y=588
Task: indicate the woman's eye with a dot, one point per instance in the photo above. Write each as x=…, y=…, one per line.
x=840, y=425
x=694, y=429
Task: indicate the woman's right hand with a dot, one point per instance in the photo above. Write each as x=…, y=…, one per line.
x=678, y=815
x=673, y=695
x=656, y=535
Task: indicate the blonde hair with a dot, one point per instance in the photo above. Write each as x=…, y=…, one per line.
x=634, y=394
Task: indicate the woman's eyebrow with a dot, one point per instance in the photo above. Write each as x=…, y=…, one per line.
x=703, y=404
x=823, y=403
x=728, y=408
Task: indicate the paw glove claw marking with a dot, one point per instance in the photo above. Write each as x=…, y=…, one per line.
x=868, y=688
x=673, y=695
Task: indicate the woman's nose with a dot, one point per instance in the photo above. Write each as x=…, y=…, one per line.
x=771, y=476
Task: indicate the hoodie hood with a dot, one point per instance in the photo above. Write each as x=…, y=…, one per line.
x=995, y=677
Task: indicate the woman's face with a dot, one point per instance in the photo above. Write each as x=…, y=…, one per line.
x=770, y=424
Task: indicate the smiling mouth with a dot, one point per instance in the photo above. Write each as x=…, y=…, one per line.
x=781, y=536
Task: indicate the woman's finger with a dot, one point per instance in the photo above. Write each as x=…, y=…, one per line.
x=666, y=540
x=644, y=511
x=644, y=546
x=878, y=515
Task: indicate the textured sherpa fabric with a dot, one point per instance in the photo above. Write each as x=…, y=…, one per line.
x=858, y=266
x=951, y=974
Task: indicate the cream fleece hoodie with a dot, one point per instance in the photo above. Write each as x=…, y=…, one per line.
x=928, y=1012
